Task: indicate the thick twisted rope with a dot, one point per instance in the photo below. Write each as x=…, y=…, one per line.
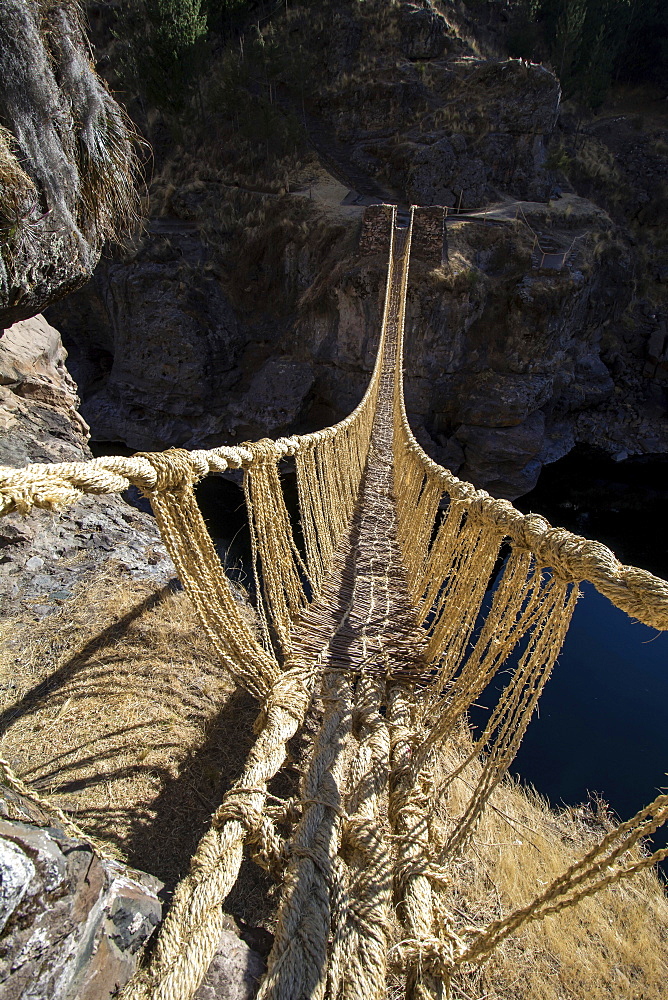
x=297, y=967
x=359, y=952
x=191, y=931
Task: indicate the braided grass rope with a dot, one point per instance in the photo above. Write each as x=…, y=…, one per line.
x=11, y=780
x=412, y=591
x=451, y=537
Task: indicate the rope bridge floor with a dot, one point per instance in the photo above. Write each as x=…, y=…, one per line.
x=363, y=620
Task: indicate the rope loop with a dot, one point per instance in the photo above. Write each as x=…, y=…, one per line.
x=238, y=805
x=528, y=534
x=288, y=694
x=264, y=451
x=430, y=954
x=174, y=469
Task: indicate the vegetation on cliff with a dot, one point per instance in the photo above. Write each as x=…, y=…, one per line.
x=68, y=160
x=592, y=43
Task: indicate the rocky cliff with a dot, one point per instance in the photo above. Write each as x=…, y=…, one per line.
x=68, y=168
x=407, y=90
x=73, y=924
x=246, y=307
x=44, y=555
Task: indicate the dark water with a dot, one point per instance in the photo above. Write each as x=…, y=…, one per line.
x=602, y=724
x=603, y=717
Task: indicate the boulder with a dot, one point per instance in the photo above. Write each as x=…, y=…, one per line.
x=591, y=384
x=423, y=32
x=73, y=925
x=39, y=421
x=234, y=973
x=498, y=399
x=503, y=460
x=276, y=395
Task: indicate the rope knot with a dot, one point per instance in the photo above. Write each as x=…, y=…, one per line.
x=290, y=692
x=174, y=469
x=529, y=532
x=238, y=805
x=265, y=450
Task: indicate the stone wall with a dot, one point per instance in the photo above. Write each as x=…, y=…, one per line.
x=429, y=242
x=375, y=236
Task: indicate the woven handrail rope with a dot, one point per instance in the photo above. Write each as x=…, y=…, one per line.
x=406, y=592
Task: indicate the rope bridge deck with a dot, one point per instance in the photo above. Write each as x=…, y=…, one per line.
x=406, y=593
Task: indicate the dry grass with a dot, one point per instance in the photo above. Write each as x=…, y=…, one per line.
x=116, y=707
x=611, y=946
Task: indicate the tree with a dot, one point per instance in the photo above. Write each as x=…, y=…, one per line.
x=592, y=42
x=162, y=45
x=177, y=30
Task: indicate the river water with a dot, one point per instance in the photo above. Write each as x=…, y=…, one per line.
x=602, y=723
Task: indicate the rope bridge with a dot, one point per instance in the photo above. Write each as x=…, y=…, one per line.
x=404, y=593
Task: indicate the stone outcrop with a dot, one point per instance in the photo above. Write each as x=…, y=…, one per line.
x=235, y=971
x=423, y=112
x=67, y=165
x=45, y=555
x=72, y=925
x=39, y=420
x=424, y=32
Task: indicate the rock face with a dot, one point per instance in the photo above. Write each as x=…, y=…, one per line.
x=39, y=421
x=44, y=555
x=234, y=973
x=423, y=113
x=168, y=348
x=503, y=357
x=423, y=32
x=72, y=925
x=504, y=368
x=178, y=352
x=213, y=330
x=66, y=159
